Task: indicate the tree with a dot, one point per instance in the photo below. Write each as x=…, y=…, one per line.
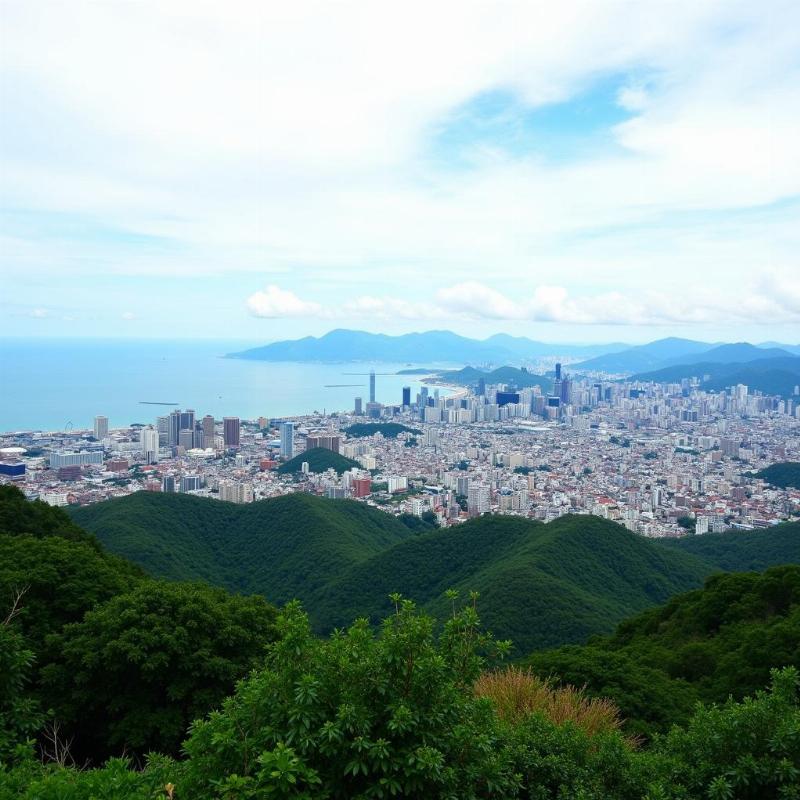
x=139, y=668
x=742, y=751
x=19, y=713
x=359, y=715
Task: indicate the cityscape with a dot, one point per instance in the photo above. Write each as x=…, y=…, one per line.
x=400, y=401
x=663, y=460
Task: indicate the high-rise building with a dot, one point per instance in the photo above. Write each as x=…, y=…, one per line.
x=359, y=409
x=150, y=442
x=481, y=387
x=230, y=433
x=187, y=419
x=174, y=426
x=327, y=441
x=63, y=459
x=186, y=439
x=162, y=426
x=209, y=424
x=406, y=396
x=100, y=427
x=190, y=483
x=287, y=439
x=372, y=386
x=558, y=372
x=168, y=483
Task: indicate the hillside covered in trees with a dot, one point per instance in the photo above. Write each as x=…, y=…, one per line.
x=784, y=474
x=231, y=700
x=705, y=645
x=319, y=459
x=541, y=585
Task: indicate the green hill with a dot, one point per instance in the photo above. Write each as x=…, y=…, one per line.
x=538, y=584
x=389, y=430
x=785, y=474
x=709, y=644
x=319, y=459
x=282, y=548
x=740, y=551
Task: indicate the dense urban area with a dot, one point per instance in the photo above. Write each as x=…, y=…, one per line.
x=663, y=459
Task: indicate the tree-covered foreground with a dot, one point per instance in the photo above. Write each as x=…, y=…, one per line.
x=114, y=686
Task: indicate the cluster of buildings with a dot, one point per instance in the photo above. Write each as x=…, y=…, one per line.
x=661, y=459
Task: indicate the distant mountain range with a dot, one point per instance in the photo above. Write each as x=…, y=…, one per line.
x=540, y=585
x=778, y=375
x=432, y=347
x=418, y=348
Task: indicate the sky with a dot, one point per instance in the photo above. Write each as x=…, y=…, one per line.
x=572, y=171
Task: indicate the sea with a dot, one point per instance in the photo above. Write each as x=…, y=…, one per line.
x=61, y=384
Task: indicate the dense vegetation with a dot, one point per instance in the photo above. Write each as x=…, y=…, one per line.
x=706, y=645
x=740, y=551
x=403, y=709
x=407, y=713
x=784, y=474
x=319, y=459
x=389, y=430
x=541, y=585
x=121, y=662
x=281, y=548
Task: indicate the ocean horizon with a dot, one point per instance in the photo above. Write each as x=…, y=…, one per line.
x=52, y=384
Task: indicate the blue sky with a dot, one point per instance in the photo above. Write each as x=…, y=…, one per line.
x=583, y=172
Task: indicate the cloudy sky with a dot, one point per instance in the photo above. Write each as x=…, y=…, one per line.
x=566, y=170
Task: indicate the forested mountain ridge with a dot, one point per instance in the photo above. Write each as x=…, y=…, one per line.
x=282, y=548
x=707, y=644
x=541, y=585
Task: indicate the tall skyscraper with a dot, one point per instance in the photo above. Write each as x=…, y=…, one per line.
x=186, y=438
x=100, y=427
x=150, y=441
x=287, y=439
x=359, y=408
x=162, y=426
x=558, y=372
x=406, y=395
x=174, y=426
x=372, y=386
x=208, y=430
x=231, y=431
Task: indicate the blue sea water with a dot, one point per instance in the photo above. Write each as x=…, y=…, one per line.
x=45, y=384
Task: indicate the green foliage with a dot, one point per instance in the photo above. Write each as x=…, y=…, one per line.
x=63, y=579
x=282, y=548
x=783, y=474
x=116, y=780
x=541, y=585
x=741, y=551
x=746, y=751
x=20, y=516
x=20, y=718
x=686, y=522
x=319, y=459
x=359, y=715
x=417, y=524
x=139, y=668
x=389, y=430
x=705, y=645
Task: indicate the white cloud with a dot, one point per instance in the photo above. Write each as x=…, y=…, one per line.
x=767, y=301
x=298, y=135
x=274, y=302
x=128, y=316
x=40, y=313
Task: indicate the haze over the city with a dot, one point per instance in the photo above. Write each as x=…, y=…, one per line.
x=572, y=172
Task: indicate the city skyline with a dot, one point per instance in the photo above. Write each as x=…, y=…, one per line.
x=577, y=174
